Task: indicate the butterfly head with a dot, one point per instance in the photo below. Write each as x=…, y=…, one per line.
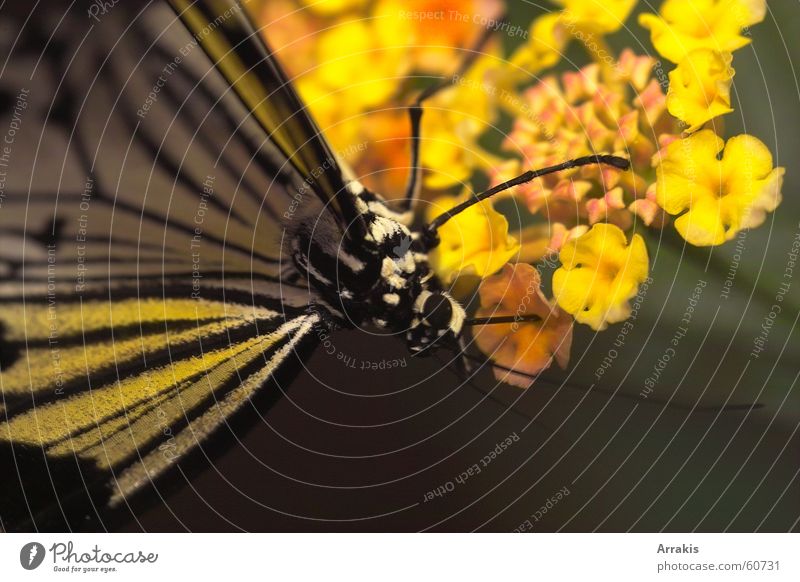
x=438, y=320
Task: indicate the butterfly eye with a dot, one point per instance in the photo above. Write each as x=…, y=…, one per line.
x=437, y=311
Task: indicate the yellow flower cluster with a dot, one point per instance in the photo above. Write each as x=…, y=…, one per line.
x=359, y=63
x=700, y=87
x=683, y=26
x=598, y=16
x=713, y=198
x=716, y=198
x=454, y=121
x=549, y=35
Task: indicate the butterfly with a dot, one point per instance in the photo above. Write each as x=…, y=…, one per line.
x=176, y=232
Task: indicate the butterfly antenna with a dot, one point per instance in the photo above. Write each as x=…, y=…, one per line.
x=600, y=159
x=415, y=111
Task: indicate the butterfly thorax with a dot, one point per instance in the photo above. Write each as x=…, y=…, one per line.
x=380, y=277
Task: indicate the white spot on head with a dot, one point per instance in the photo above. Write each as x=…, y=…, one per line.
x=407, y=263
x=421, y=257
x=391, y=298
x=379, y=208
x=389, y=273
x=383, y=228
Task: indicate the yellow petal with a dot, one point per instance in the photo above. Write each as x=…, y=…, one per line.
x=719, y=197
x=687, y=25
x=547, y=40
x=599, y=275
x=678, y=174
x=476, y=241
x=330, y=7
x=596, y=16
x=702, y=225
x=700, y=87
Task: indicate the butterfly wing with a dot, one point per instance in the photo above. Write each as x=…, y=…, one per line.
x=133, y=386
x=146, y=148
x=145, y=292
x=225, y=32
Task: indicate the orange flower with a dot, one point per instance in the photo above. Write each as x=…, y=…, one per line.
x=352, y=63
x=523, y=346
x=433, y=31
x=383, y=164
x=291, y=33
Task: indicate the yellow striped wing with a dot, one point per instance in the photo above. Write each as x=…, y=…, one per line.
x=123, y=390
